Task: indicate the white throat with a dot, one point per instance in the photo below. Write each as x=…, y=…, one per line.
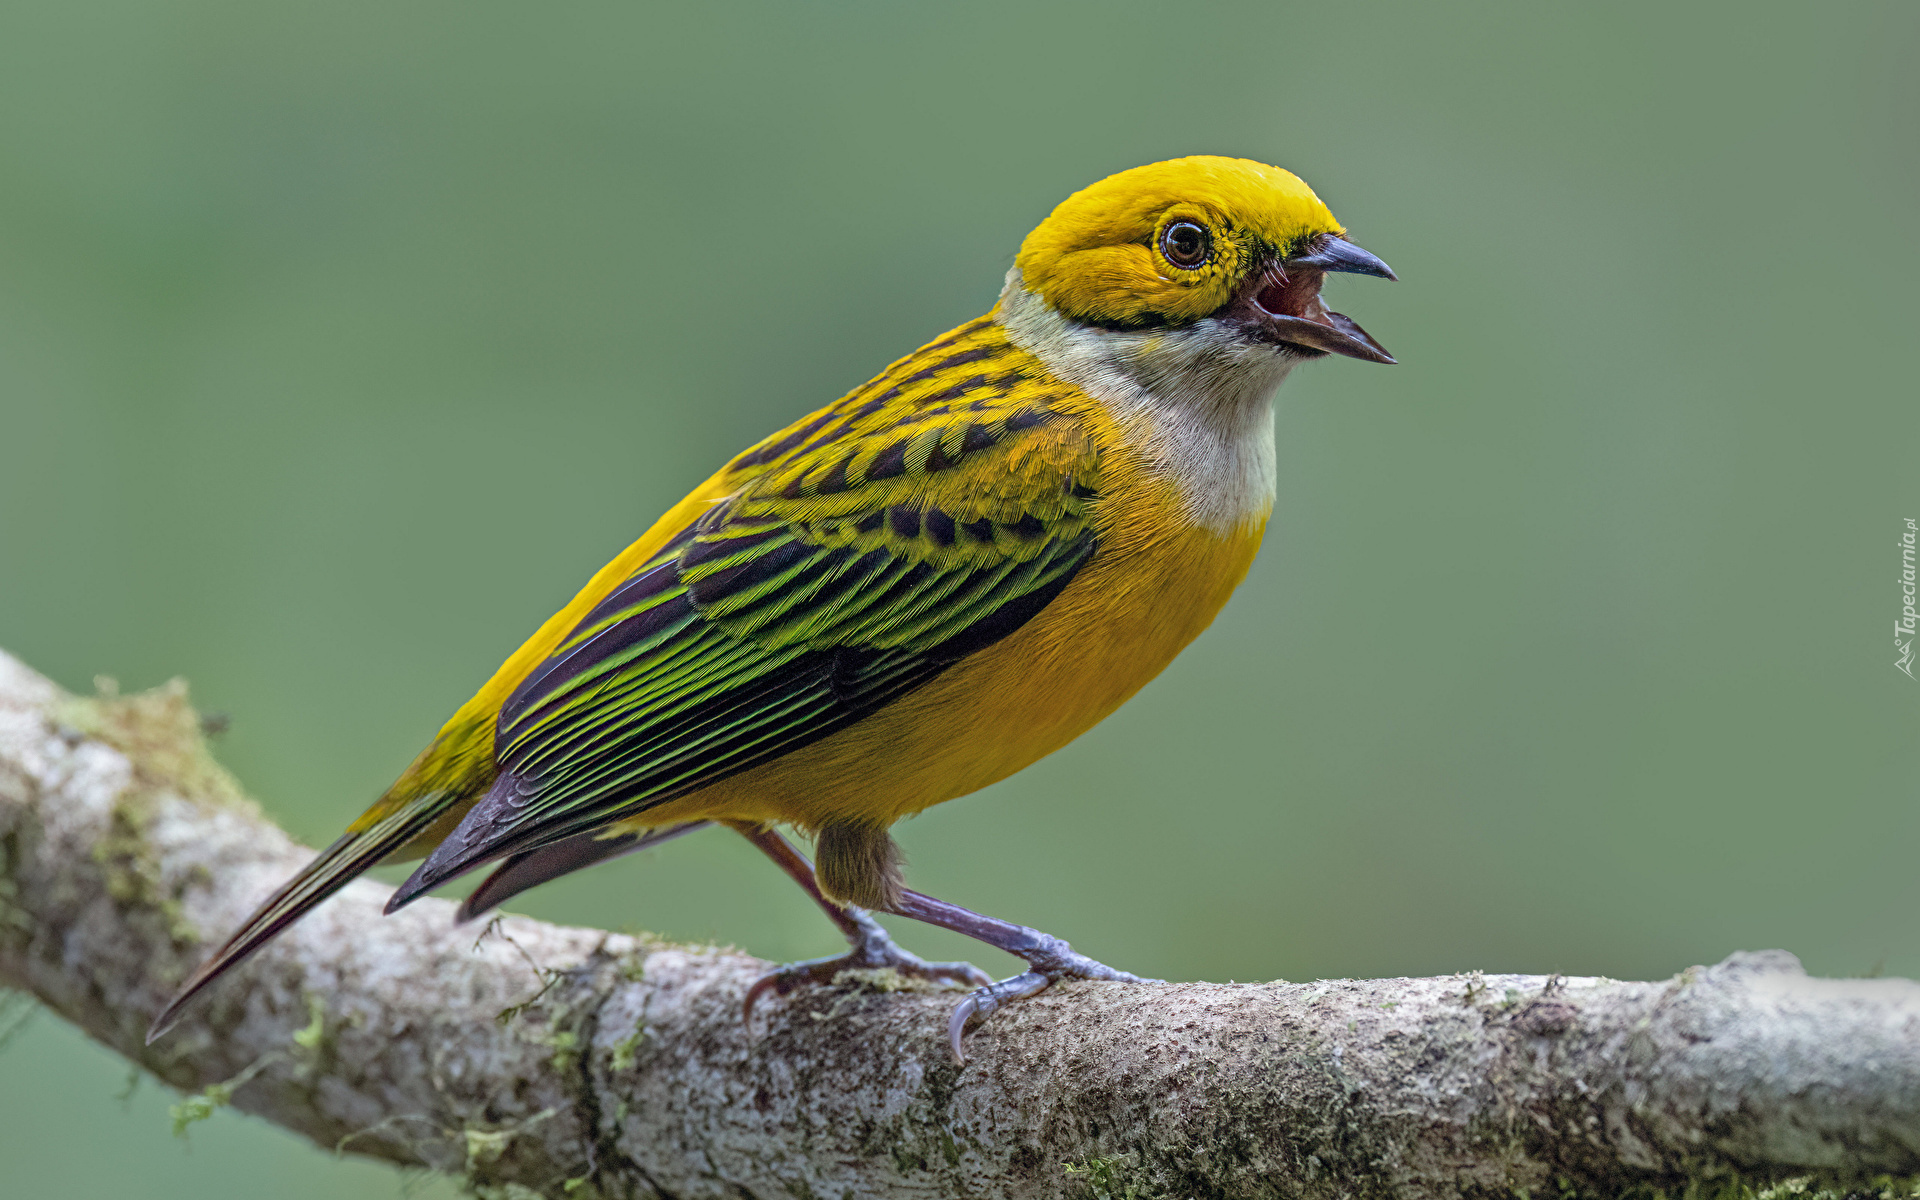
x=1199, y=397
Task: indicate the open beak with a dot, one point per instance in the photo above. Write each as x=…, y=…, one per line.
x=1283, y=302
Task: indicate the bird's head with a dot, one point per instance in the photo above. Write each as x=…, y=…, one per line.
x=1237, y=245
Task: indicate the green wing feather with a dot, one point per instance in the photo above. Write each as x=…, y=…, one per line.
x=858, y=569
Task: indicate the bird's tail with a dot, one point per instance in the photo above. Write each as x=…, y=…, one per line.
x=331, y=870
x=535, y=867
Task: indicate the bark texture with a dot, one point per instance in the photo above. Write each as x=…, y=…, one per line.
x=554, y=1061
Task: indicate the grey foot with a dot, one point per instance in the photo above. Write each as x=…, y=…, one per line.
x=1054, y=961
x=874, y=949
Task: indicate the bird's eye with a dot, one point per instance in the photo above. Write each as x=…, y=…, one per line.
x=1186, y=244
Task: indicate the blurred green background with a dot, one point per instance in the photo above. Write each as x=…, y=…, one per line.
x=340, y=342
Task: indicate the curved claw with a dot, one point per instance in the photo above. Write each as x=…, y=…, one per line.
x=876, y=955
x=772, y=979
x=985, y=1002
x=1059, y=962
x=791, y=976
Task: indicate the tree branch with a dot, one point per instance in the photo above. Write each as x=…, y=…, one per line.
x=621, y=1067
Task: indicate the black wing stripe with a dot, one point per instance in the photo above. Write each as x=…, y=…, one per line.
x=596, y=688
x=705, y=654
x=718, y=749
x=665, y=728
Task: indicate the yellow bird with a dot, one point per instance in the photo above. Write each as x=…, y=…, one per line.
x=950, y=572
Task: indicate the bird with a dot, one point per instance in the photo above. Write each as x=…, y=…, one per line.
x=932, y=582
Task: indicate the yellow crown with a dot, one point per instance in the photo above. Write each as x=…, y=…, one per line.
x=1103, y=254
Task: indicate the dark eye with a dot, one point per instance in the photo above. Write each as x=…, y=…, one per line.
x=1186, y=245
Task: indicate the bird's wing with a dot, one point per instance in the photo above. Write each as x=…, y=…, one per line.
x=809, y=581
x=872, y=554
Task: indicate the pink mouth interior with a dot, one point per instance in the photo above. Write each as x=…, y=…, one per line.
x=1294, y=296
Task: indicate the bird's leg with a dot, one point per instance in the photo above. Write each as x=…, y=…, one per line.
x=872, y=947
x=1049, y=960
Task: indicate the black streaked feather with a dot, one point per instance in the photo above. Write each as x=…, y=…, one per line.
x=780, y=448
x=939, y=527
x=889, y=462
x=714, y=586
x=953, y=360
x=958, y=390
x=834, y=481
x=976, y=439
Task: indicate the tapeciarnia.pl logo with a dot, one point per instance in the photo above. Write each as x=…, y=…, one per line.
x=1903, y=628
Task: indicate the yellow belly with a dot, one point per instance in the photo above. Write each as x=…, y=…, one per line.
x=1131, y=609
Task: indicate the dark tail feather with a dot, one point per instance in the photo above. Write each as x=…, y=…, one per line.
x=330, y=870
x=471, y=844
x=535, y=867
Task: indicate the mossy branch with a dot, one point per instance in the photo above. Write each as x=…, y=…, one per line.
x=623, y=1068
